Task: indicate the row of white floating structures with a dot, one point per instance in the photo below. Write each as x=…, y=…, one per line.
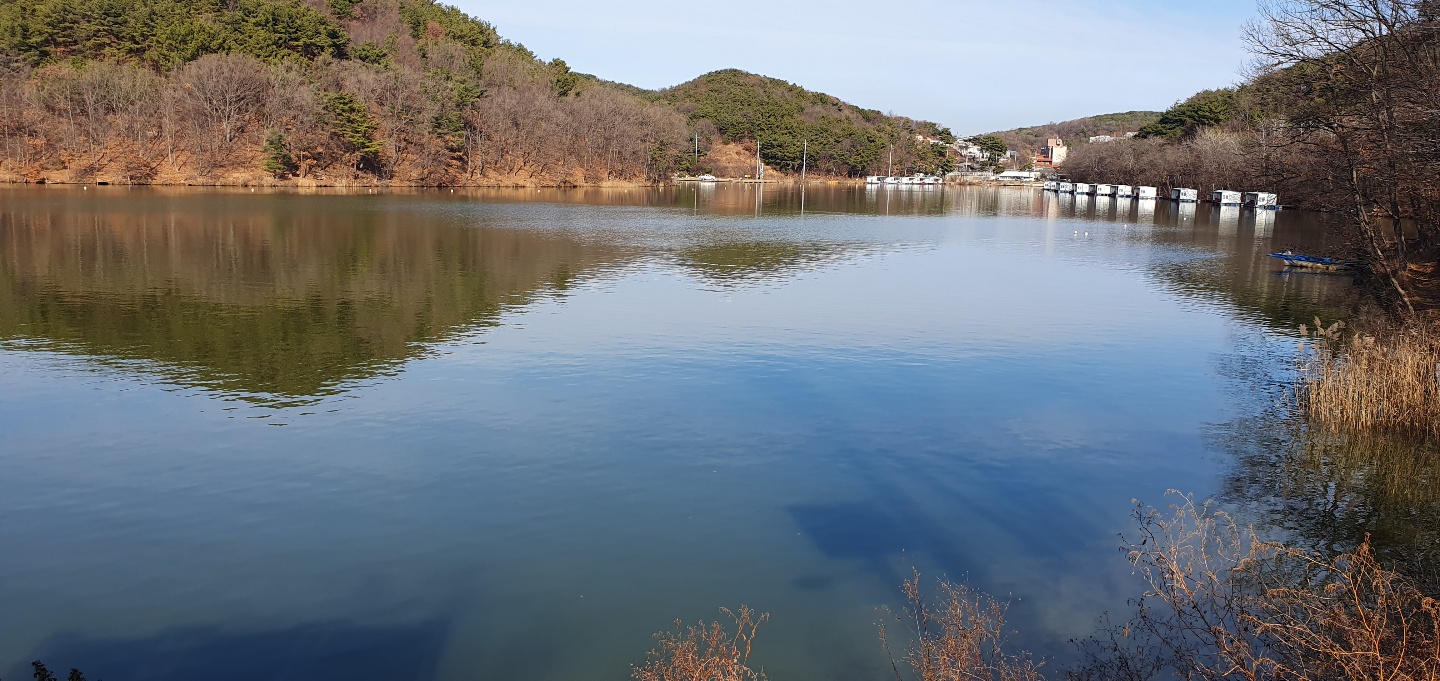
x=1118, y=190
x=1223, y=197
x=914, y=179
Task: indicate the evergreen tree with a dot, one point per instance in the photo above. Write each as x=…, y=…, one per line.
x=278, y=159
x=354, y=125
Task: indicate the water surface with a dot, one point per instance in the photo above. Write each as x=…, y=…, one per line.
x=510, y=434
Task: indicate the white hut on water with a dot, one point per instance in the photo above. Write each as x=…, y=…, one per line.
x=1143, y=192
x=1184, y=195
x=1083, y=188
x=1124, y=191
x=1262, y=200
x=1104, y=190
x=1067, y=187
x=1225, y=197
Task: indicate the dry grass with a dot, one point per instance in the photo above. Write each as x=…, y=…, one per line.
x=958, y=634
x=1223, y=604
x=714, y=651
x=1369, y=383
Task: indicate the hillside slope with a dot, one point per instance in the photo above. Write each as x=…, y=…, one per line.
x=404, y=92
x=1078, y=131
x=733, y=106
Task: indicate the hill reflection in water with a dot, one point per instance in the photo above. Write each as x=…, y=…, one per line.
x=277, y=298
x=280, y=298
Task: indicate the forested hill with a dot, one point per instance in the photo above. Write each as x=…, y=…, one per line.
x=1078, y=131
x=843, y=139
x=377, y=91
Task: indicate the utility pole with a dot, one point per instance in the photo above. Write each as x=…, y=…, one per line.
x=804, y=164
x=759, y=165
x=804, y=160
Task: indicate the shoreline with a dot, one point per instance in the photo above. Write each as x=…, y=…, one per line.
x=283, y=184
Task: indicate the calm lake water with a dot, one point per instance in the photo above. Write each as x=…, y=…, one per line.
x=511, y=434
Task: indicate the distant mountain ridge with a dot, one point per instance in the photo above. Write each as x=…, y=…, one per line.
x=1079, y=130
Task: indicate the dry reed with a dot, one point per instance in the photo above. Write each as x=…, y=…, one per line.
x=1373, y=384
x=958, y=634
x=713, y=651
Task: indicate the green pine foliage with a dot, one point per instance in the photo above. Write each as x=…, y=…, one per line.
x=352, y=123
x=1205, y=108
x=564, y=81
x=434, y=21
x=278, y=159
x=165, y=33
x=370, y=53
x=274, y=30
x=783, y=117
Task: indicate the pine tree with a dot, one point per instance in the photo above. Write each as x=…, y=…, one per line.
x=278, y=160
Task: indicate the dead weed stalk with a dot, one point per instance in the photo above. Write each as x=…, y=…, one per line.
x=958, y=634
x=713, y=651
x=1223, y=604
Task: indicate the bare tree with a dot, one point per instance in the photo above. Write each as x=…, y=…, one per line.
x=1362, y=74
x=19, y=121
x=219, y=94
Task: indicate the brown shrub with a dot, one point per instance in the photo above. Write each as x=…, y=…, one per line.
x=1222, y=604
x=958, y=634
x=714, y=651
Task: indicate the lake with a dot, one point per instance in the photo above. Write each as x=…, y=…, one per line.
x=492, y=434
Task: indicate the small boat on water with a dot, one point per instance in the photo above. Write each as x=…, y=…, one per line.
x=1311, y=262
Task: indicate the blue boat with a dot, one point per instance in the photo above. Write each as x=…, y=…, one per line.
x=1311, y=262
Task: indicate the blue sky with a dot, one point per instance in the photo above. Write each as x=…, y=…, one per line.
x=974, y=66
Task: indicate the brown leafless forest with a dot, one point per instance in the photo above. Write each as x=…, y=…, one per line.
x=227, y=118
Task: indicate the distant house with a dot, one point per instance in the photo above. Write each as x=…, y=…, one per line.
x=1101, y=139
x=1052, y=154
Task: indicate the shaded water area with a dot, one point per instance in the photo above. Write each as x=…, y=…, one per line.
x=511, y=433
